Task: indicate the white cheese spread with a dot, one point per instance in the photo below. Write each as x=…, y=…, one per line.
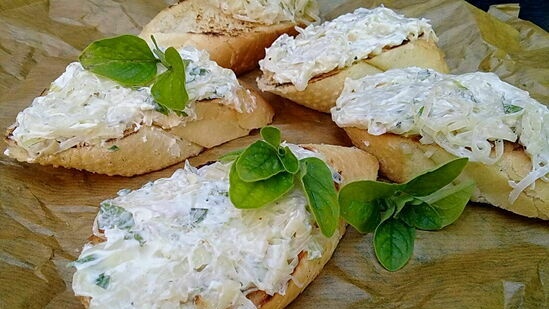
x=469, y=115
x=178, y=240
x=83, y=108
x=272, y=11
x=339, y=43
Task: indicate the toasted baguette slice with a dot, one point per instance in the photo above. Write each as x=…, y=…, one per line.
x=88, y=122
x=323, y=88
x=351, y=163
x=152, y=148
x=234, y=42
x=415, y=119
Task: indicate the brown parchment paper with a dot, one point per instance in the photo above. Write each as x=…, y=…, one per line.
x=488, y=259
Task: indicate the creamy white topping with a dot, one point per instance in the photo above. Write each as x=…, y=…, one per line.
x=272, y=11
x=468, y=115
x=83, y=108
x=180, y=239
x=339, y=43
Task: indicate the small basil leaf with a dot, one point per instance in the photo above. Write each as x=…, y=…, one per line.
x=435, y=179
x=394, y=243
x=359, y=204
x=271, y=135
x=169, y=88
x=289, y=160
x=316, y=179
x=451, y=201
x=126, y=59
x=421, y=216
x=259, y=193
x=173, y=58
x=258, y=162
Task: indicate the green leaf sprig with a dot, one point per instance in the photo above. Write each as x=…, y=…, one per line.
x=393, y=212
x=128, y=60
x=265, y=171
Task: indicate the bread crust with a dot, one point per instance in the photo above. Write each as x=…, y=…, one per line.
x=322, y=91
x=152, y=148
x=353, y=164
x=232, y=43
x=401, y=158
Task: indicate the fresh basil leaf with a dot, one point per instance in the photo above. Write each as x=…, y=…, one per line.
x=289, y=160
x=169, y=87
x=317, y=182
x=259, y=193
x=435, y=179
x=230, y=156
x=450, y=202
x=126, y=59
x=103, y=281
x=258, y=162
x=394, y=243
x=111, y=216
x=359, y=205
x=176, y=63
x=421, y=216
x=271, y=135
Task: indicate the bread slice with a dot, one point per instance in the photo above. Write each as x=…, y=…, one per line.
x=234, y=42
x=323, y=89
x=350, y=162
x=91, y=123
x=415, y=119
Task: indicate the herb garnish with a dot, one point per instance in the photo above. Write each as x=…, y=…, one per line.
x=103, y=281
x=265, y=171
x=394, y=211
x=128, y=60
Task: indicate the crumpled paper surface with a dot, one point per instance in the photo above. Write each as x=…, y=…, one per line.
x=489, y=258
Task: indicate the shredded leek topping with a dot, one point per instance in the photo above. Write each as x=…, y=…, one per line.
x=339, y=43
x=272, y=11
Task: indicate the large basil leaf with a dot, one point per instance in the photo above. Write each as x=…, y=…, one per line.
x=359, y=203
x=259, y=193
x=126, y=59
x=450, y=202
x=435, y=179
x=421, y=215
x=258, y=162
x=316, y=179
x=394, y=243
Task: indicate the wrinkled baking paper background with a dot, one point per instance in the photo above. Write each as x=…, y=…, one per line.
x=488, y=259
